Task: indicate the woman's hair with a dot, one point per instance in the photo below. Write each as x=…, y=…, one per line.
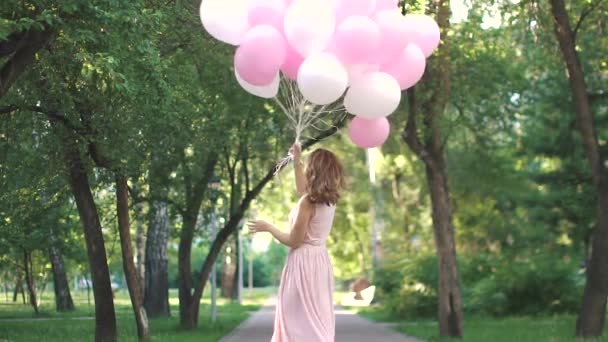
x=325, y=177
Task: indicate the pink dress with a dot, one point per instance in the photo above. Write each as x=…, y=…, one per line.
x=305, y=310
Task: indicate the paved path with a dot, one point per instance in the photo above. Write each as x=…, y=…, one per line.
x=349, y=328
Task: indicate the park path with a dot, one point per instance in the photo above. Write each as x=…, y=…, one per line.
x=349, y=328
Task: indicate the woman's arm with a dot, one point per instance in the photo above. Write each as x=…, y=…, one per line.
x=295, y=238
x=296, y=151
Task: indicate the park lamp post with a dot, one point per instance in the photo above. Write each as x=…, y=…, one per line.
x=214, y=185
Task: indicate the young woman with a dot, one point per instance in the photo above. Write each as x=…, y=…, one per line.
x=305, y=311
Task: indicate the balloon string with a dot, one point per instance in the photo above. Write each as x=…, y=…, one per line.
x=301, y=114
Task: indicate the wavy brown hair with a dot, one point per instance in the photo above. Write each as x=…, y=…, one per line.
x=324, y=177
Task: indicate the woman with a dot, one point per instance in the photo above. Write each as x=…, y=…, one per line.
x=305, y=311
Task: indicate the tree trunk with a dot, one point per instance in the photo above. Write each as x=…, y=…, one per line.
x=188, y=303
x=228, y=277
x=130, y=271
x=29, y=280
x=105, y=318
x=63, y=298
x=140, y=246
x=431, y=152
x=157, y=261
x=235, y=279
x=187, y=315
x=592, y=314
x=86, y=279
x=228, y=270
x=18, y=287
x=450, y=300
x=156, y=298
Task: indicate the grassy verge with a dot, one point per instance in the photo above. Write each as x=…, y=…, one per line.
x=18, y=322
x=484, y=329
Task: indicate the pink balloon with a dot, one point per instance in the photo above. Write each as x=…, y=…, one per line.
x=386, y=4
x=424, y=32
x=260, y=55
x=369, y=133
x=263, y=15
x=408, y=68
x=292, y=63
x=347, y=8
x=356, y=39
x=393, y=35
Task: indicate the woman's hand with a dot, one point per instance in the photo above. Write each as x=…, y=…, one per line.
x=296, y=152
x=258, y=226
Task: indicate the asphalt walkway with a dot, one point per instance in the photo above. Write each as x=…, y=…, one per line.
x=349, y=328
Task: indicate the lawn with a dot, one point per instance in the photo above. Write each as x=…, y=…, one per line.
x=19, y=323
x=485, y=329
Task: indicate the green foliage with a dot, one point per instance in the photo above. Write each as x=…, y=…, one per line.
x=491, y=285
x=63, y=326
x=524, y=329
x=158, y=97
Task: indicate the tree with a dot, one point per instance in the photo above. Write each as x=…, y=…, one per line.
x=63, y=298
x=431, y=152
x=591, y=318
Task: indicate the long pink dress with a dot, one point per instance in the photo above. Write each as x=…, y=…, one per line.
x=305, y=311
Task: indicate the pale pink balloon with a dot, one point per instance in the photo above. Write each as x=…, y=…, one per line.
x=408, y=68
x=263, y=15
x=260, y=55
x=386, y=4
x=347, y=8
x=393, y=35
x=266, y=12
x=292, y=63
x=367, y=133
x=356, y=39
x=423, y=31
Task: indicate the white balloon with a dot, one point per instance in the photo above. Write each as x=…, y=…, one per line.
x=225, y=20
x=309, y=25
x=358, y=70
x=322, y=79
x=375, y=95
x=266, y=91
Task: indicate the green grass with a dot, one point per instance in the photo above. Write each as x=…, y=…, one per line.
x=68, y=327
x=485, y=329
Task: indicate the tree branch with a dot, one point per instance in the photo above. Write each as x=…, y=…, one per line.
x=23, y=49
x=584, y=15
x=598, y=95
x=194, y=202
x=98, y=157
x=246, y=172
x=410, y=134
x=187, y=175
x=8, y=109
x=136, y=199
x=51, y=114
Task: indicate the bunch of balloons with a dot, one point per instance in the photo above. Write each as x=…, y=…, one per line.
x=363, y=52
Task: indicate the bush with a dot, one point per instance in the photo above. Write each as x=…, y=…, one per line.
x=491, y=285
x=409, y=289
